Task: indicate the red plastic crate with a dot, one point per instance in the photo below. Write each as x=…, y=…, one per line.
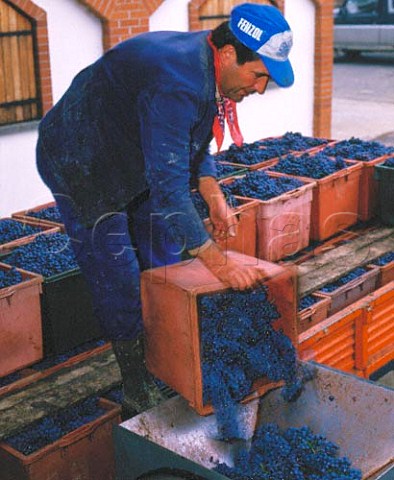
x=38, y=221
x=376, y=330
x=386, y=274
x=311, y=316
x=85, y=453
x=352, y=291
x=30, y=375
x=283, y=222
x=245, y=240
x=68, y=318
x=333, y=341
x=330, y=142
x=169, y=301
x=358, y=339
x=254, y=166
x=7, y=247
x=335, y=203
x=21, y=342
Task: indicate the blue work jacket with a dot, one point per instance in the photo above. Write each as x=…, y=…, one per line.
x=139, y=119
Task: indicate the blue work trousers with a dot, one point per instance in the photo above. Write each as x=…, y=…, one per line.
x=111, y=255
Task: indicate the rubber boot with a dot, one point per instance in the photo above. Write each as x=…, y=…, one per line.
x=140, y=392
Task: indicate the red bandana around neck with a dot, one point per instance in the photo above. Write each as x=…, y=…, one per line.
x=227, y=108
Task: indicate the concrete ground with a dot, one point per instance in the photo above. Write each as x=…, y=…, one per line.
x=367, y=120
x=363, y=98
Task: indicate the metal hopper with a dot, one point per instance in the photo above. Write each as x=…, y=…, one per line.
x=172, y=441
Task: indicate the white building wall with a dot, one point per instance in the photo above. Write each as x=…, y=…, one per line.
x=75, y=38
x=278, y=110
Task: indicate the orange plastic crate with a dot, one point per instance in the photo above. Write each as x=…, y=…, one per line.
x=283, y=222
x=353, y=291
x=31, y=375
x=38, y=221
x=86, y=452
x=308, y=317
x=21, y=342
x=359, y=339
x=386, y=274
x=169, y=301
x=68, y=318
x=329, y=142
x=254, y=166
x=335, y=203
x=333, y=341
x=245, y=240
x=376, y=330
x=7, y=247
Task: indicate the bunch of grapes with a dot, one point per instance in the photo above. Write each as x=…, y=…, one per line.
x=13, y=229
x=384, y=259
x=251, y=153
x=357, y=149
x=46, y=255
x=61, y=358
x=115, y=394
x=332, y=286
x=293, y=142
x=201, y=206
x=239, y=345
x=223, y=170
x=52, y=214
x=10, y=277
x=389, y=162
x=312, y=166
x=306, y=302
x=292, y=454
x=51, y=428
x=259, y=185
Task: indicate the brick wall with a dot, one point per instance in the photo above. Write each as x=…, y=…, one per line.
x=324, y=38
x=123, y=19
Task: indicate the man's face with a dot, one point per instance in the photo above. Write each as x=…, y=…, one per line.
x=239, y=81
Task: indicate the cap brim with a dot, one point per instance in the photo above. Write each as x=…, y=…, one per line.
x=280, y=72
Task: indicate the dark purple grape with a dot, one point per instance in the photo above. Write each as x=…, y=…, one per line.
x=314, y=166
x=52, y=214
x=357, y=149
x=47, y=255
x=49, y=429
x=11, y=229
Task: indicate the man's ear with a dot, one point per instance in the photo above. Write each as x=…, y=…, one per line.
x=227, y=54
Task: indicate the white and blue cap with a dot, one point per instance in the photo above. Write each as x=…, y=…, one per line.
x=264, y=30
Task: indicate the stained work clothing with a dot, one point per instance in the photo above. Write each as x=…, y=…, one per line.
x=119, y=152
x=139, y=118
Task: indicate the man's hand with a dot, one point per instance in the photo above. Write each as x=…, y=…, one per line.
x=224, y=220
x=227, y=270
x=222, y=216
